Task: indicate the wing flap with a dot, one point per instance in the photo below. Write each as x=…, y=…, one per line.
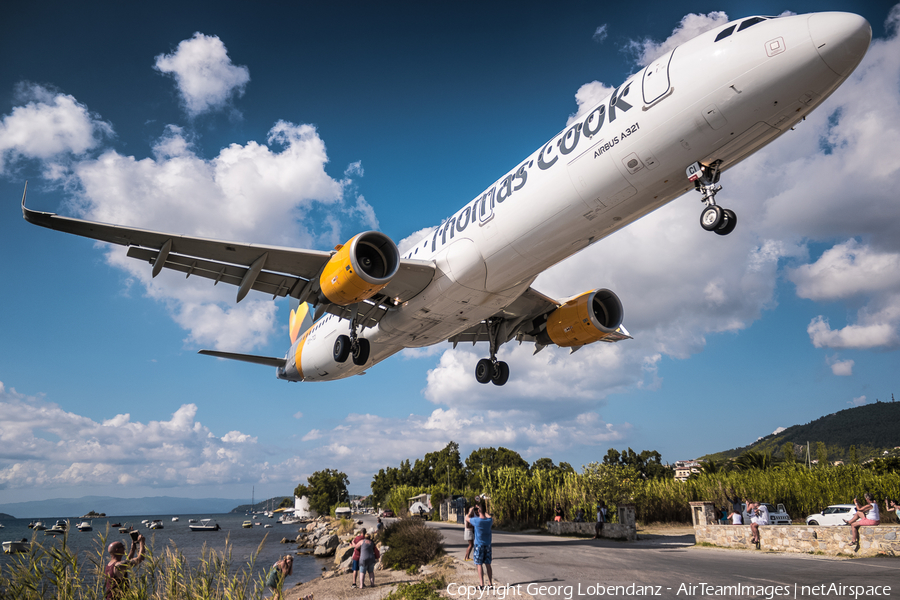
x=276, y=284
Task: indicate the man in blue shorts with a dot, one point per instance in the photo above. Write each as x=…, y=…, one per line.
x=482, y=523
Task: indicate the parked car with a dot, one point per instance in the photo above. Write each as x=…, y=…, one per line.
x=387, y=513
x=833, y=515
x=777, y=516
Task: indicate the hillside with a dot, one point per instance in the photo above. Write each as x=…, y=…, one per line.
x=872, y=428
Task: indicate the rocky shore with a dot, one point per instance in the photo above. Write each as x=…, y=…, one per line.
x=322, y=538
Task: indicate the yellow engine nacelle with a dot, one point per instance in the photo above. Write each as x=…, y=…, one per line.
x=360, y=268
x=584, y=319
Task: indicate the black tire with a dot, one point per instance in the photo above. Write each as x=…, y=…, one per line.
x=813, y=523
x=484, y=370
x=711, y=217
x=361, y=352
x=501, y=373
x=341, y=348
x=729, y=222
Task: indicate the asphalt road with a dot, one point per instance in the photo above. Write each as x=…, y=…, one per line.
x=545, y=566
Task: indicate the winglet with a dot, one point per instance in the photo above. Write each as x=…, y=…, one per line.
x=35, y=217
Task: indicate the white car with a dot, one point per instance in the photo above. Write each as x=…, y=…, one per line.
x=833, y=515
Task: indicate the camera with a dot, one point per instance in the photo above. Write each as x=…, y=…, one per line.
x=135, y=535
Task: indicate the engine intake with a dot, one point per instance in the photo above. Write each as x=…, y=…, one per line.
x=360, y=268
x=584, y=319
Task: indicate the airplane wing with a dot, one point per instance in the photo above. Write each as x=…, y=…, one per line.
x=272, y=270
x=523, y=320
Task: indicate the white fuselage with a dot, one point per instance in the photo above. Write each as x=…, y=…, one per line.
x=705, y=101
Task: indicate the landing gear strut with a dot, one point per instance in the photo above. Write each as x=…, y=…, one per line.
x=714, y=217
x=491, y=369
x=352, y=346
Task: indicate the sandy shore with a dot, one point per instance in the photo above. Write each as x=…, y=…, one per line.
x=451, y=569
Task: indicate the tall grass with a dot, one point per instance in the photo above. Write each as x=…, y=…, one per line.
x=59, y=573
x=529, y=498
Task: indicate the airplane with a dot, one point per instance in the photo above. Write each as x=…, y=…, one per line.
x=673, y=126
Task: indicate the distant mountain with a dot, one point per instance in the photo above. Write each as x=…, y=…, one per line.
x=4, y=516
x=157, y=505
x=872, y=428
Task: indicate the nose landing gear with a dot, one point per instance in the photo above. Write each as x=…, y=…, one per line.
x=713, y=217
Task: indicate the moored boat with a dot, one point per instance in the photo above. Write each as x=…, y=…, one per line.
x=84, y=526
x=15, y=547
x=204, y=525
x=155, y=524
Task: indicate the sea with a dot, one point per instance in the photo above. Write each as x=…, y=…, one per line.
x=243, y=542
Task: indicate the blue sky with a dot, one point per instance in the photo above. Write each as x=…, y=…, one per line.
x=305, y=124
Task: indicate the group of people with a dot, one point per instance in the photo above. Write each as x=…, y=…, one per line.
x=866, y=514
x=365, y=555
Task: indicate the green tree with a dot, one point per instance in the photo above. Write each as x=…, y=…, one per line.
x=822, y=454
x=648, y=463
x=787, y=451
x=853, y=459
x=325, y=489
x=492, y=459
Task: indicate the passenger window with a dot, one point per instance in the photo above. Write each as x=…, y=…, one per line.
x=725, y=33
x=750, y=23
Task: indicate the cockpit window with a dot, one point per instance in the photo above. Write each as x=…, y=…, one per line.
x=725, y=33
x=750, y=23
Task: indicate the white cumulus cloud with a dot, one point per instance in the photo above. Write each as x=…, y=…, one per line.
x=207, y=80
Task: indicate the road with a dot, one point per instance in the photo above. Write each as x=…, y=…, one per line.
x=671, y=567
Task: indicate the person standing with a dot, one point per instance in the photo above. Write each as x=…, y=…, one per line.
x=117, y=569
x=601, y=518
x=481, y=524
x=368, y=555
x=469, y=534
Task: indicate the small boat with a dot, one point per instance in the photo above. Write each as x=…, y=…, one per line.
x=192, y=520
x=247, y=524
x=155, y=524
x=38, y=526
x=205, y=525
x=14, y=547
x=60, y=528
x=268, y=526
x=84, y=526
x=174, y=519
x=116, y=525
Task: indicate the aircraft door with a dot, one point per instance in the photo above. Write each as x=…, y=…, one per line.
x=655, y=82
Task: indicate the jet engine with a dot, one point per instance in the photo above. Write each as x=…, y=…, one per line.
x=582, y=320
x=360, y=268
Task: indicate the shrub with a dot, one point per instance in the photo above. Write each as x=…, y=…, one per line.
x=424, y=590
x=410, y=543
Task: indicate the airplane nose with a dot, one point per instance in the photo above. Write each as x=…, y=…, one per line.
x=841, y=39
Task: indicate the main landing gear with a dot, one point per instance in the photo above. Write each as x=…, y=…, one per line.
x=351, y=346
x=714, y=217
x=491, y=369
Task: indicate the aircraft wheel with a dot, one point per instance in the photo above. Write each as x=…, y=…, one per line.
x=501, y=373
x=361, y=352
x=711, y=217
x=341, y=348
x=484, y=370
x=729, y=222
